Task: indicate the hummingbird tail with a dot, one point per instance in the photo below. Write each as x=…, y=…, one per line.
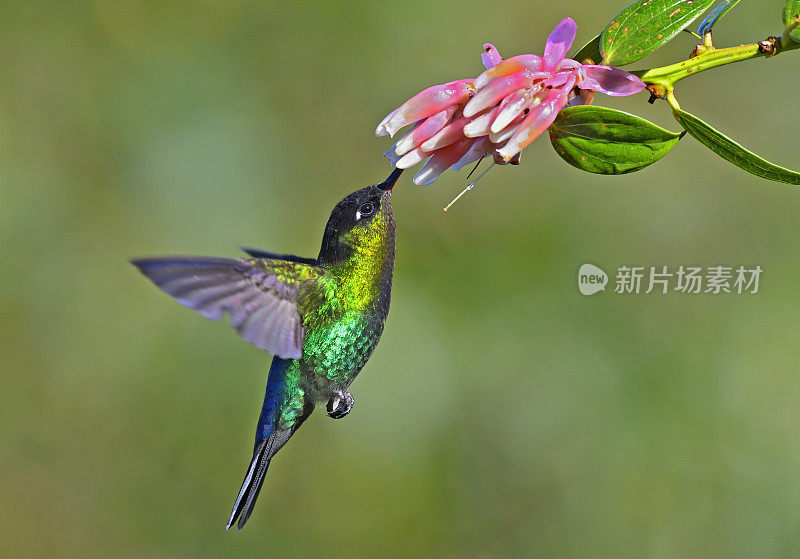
x=253, y=480
x=271, y=435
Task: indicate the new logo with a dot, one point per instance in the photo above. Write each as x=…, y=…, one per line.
x=591, y=279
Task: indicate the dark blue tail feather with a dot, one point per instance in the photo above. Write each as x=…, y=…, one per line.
x=273, y=398
x=269, y=440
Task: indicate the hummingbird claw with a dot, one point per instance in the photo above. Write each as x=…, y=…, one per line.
x=340, y=404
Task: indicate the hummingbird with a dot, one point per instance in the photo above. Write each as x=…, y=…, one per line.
x=321, y=318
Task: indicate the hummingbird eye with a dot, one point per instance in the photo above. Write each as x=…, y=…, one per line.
x=365, y=210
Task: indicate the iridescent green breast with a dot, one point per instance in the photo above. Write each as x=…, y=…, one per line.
x=337, y=351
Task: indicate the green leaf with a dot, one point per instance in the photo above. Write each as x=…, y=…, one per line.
x=590, y=50
x=728, y=149
x=791, y=11
x=609, y=142
x=647, y=25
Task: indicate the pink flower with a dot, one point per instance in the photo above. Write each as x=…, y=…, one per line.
x=500, y=112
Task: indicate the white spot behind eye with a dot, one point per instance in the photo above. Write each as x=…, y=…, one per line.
x=358, y=215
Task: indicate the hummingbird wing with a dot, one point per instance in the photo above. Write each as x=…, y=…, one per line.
x=260, y=295
x=285, y=408
x=258, y=253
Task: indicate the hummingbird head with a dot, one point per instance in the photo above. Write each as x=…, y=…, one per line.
x=361, y=225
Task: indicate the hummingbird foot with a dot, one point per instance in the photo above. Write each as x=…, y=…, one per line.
x=340, y=405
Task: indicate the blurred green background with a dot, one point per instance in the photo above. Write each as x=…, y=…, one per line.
x=503, y=415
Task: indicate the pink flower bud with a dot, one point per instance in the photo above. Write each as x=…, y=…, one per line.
x=426, y=103
x=558, y=43
x=509, y=66
x=424, y=130
x=517, y=102
x=611, y=81
x=442, y=160
x=490, y=56
x=481, y=125
x=447, y=135
x=500, y=89
x=412, y=158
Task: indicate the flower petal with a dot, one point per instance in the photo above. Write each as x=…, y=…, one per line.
x=441, y=161
x=509, y=66
x=558, y=43
x=426, y=103
x=537, y=121
x=611, y=81
x=424, y=130
x=490, y=56
x=447, y=135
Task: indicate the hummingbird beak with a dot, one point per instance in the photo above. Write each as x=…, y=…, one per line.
x=388, y=184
